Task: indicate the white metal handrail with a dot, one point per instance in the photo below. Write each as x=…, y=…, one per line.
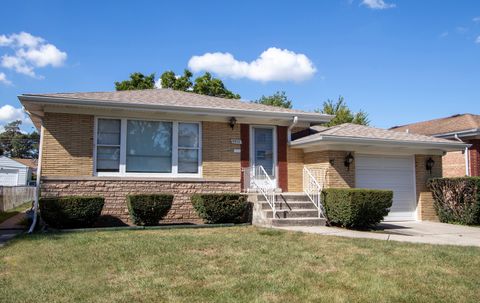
x=257, y=178
x=313, y=186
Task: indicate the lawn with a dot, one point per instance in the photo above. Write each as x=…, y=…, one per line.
x=4, y=215
x=237, y=264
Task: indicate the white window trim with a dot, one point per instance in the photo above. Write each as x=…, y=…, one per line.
x=123, y=152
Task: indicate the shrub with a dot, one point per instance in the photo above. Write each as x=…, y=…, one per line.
x=456, y=200
x=148, y=209
x=355, y=207
x=71, y=212
x=221, y=208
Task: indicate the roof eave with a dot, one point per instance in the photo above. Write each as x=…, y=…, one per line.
x=305, y=117
x=462, y=133
x=357, y=140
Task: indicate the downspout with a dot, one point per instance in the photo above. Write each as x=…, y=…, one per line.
x=39, y=173
x=289, y=132
x=467, y=158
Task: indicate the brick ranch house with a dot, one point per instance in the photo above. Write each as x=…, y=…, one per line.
x=462, y=128
x=159, y=140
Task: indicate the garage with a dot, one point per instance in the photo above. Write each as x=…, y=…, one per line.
x=395, y=173
x=8, y=177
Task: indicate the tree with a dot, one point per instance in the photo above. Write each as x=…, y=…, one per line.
x=137, y=81
x=204, y=85
x=169, y=80
x=342, y=113
x=210, y=86
x=277, y=99
x=15, y=144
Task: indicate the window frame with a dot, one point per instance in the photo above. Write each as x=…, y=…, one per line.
x=123, y=151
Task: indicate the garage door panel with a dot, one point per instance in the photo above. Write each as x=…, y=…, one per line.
x=394, y=173
x=8, y=177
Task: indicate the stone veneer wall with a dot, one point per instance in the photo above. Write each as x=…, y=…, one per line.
x=116, y=190
x=426, y=212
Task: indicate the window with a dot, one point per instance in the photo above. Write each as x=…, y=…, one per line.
x=127, y=147
x=108, y=145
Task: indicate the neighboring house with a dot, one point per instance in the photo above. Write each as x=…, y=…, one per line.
x=15, y=171
x=159, y=140
x=463, y=128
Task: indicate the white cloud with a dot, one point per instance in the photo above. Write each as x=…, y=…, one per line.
x=9, y=113
x=377, y=4
x=4, y=80
x=477, y=40
x=30, y=52
x=274, y=64
x=444, y=34
x=476, y=19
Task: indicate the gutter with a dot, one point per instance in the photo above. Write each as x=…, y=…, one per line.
x=39, y=174
x=467, y=158
x=177, y=109
x=344, y=139
x=463, y=133
x=289, y=132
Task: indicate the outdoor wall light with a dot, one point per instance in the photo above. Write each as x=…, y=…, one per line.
x=429, y=164
x=232, y=122
x=349, y=160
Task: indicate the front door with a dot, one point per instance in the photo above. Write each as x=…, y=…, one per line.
x=264, y=149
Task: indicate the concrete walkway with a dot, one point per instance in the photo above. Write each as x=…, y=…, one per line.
x=11, y=228
x=415, y=232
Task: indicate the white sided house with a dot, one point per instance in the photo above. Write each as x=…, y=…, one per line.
x=14, y=173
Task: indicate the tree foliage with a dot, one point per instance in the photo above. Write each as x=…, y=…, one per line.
x=169, y=80
x=15, y=144
x=279, y=99
x=136, y=81
x=342, y=113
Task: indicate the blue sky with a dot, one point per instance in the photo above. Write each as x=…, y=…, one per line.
x=401, y=61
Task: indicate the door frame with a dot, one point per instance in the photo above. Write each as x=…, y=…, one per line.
x=275, y=147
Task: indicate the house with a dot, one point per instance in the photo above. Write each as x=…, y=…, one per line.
x=160, y=140
x=463, y=128
x=16, y=171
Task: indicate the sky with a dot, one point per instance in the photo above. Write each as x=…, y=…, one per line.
x=401, y=61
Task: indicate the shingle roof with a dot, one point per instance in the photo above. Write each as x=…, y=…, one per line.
x=446, y=125
x=168, y=97
x=32, y=163
x=349, y=130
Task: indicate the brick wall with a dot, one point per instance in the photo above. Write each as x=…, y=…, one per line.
x=115, y=192
x=338, y=175
x=295, y=163
x=424, y=196
x=67, y=145
x=475, y=157
x=453, y=164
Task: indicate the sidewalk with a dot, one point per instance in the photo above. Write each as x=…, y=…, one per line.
x=11, y=228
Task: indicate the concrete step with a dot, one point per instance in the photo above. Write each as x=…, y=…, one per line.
x=295, y=213
x=299, y=222
x=284, y=198
x=289, y=205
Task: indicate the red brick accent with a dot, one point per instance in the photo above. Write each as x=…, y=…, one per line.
x=245, y=150
x=282, y=142
x=474, y=157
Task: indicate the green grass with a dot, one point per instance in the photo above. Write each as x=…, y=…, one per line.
x=14, y=211
x=237, y=264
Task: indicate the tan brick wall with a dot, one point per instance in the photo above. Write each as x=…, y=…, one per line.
x=453, y=164
x=115, y=192
x=219, y=160
x=67, y=145
x=338, y=176
x=295, y=169
x=424, y=196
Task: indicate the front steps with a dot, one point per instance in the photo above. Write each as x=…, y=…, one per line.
x=292, y=209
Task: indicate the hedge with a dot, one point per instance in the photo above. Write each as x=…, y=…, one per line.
x=456, y=200
x=70, y=212
x=221, y=208
x=355, y=207
x=148, y=209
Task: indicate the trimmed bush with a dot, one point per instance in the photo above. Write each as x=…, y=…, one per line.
x=71, y=212
x=148, y=209
x=456, y=200
x=221, y=208
x=356, y=207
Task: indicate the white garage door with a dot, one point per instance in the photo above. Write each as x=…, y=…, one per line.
x=395, y=173
x=8, y=177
